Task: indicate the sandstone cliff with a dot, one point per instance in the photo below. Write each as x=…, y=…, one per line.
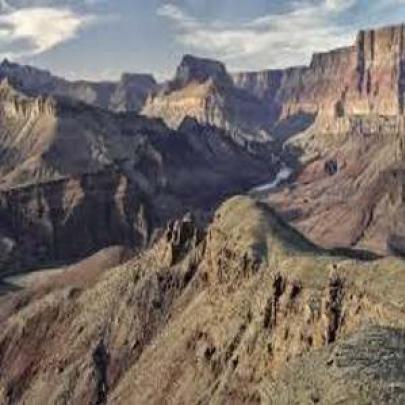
x=367, y=78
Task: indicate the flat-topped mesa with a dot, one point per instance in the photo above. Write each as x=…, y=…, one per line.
x=365, y=79
x=381, y=46
x=262, y=84
x=334, y=60
x=138, y=79
x=193, y=69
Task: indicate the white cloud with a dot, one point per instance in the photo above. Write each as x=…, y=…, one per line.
x=274, y=40
x=339, y=5
x=31, y=30
x=37, y=30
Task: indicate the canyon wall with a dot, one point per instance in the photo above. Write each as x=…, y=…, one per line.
x=367, y=78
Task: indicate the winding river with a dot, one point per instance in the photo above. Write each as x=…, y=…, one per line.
x=282, y=175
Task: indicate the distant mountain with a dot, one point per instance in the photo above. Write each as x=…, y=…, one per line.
x=203, y=89
x=129, y=94
x=346, y=108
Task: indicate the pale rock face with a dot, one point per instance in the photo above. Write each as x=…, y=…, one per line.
x=14, y=106
x=203, y=90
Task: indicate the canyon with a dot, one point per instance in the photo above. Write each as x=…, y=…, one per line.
x=219, y=238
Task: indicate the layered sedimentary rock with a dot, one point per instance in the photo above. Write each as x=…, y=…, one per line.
x=347, y=189
x=69, y=168
x=246, y=310
x=202, y=89
x=362, y=79
x=366, y=78
x=62, y=220
x=128, y=94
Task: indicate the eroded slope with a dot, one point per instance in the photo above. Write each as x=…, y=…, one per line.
x=211, y=318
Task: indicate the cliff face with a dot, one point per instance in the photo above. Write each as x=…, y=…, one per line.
x=367, y=78
x=60, y=221
x=380, y=67
x=202, y=89
x=363, y=79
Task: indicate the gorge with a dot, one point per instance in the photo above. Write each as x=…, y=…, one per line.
x=219, y=238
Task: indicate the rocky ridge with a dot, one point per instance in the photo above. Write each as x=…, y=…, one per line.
x=128, y=94
x=233, y=315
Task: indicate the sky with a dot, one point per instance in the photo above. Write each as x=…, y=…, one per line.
x=100, y=39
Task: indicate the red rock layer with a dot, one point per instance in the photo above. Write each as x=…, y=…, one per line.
x=367, y=78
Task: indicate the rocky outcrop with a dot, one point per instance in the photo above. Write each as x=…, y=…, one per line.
x=131, y=92
x=207, y=338
x=62, y=221
x=363, y=79
x=198, y=70
x=15, y=105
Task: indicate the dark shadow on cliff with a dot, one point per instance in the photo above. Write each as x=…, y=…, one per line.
x=293, y=125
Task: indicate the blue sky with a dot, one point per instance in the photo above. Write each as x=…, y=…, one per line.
x=99, y=39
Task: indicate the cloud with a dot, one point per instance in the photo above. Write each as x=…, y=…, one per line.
x=32, y=31
x=280, y=39
x=339, y=5
x=31, y=28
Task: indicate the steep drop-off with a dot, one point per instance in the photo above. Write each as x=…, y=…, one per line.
x=74, y=178
x=367, y=78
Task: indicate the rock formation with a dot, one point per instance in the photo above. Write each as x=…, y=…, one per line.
x=367, y=78
x=128, y=94
x=202, y=89
x=348, y=188
x=69, y=168
x=250, y=313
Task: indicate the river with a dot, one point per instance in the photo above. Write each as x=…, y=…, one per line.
x=284, y=174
